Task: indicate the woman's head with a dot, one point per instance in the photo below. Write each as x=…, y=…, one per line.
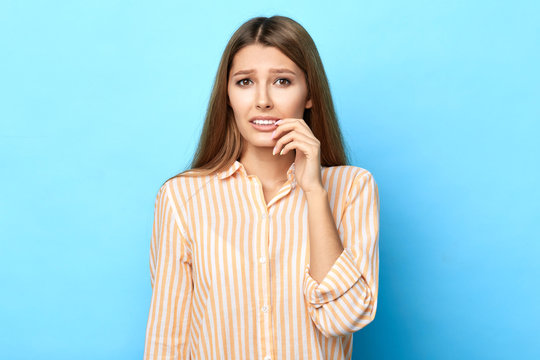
x=257, y=44
x=264, y=82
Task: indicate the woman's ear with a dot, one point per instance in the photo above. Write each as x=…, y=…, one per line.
x=309, y=104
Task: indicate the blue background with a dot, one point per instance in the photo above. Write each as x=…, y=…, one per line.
x=102, y=101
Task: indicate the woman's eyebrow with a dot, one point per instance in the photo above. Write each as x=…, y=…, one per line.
x=273, y=71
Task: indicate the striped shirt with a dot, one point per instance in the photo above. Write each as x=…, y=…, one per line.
x=230, y=273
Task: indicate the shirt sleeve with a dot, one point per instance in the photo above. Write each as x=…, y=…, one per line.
x=169, y=319
x=346, y=299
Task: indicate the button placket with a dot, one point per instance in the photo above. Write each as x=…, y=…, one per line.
x=263, y=261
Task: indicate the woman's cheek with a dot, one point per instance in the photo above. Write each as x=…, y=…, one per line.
x=236, y=99
x=288, y=100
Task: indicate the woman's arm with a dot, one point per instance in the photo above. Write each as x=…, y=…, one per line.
x=324, y=245
x=342, y=297
x=167, y=331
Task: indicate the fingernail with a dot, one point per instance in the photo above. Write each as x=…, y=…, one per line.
x=277, y=122
x=281, y=152
x=274, y=133
x=274, y=151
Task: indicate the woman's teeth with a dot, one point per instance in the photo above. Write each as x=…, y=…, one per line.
x=264, y=122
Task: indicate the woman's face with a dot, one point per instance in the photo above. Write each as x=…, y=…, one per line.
x=270, y=84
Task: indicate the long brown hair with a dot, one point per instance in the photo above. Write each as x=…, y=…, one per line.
x=221, y=143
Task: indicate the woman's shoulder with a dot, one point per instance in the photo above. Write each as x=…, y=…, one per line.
x=185, y=186
x=349, y=171
x=345, y=180
x=187, y=177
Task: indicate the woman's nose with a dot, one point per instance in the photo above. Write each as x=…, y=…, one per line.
x=263, y=99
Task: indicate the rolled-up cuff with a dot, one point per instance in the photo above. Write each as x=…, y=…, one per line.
x=341, y=277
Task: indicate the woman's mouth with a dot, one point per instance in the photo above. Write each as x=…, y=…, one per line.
x=264, y=125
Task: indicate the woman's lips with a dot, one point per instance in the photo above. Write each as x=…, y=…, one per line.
x=264, y=128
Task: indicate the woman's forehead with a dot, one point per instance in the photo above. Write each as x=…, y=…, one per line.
x=261, y=55
x=256, y=58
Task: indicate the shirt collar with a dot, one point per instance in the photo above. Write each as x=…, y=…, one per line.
x=237, y=166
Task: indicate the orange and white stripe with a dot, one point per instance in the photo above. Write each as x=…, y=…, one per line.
x=230, y=273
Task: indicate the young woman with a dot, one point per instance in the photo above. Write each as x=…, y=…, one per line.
x=267, y=248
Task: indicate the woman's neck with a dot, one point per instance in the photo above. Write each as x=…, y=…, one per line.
x=270, y=169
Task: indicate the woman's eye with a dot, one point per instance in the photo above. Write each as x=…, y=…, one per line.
x=240, y=82
x=288, y=81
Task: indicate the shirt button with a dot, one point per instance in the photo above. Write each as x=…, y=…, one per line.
x=262, y=259
x=264, y=309
x=264, y=216
x=267, y=357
